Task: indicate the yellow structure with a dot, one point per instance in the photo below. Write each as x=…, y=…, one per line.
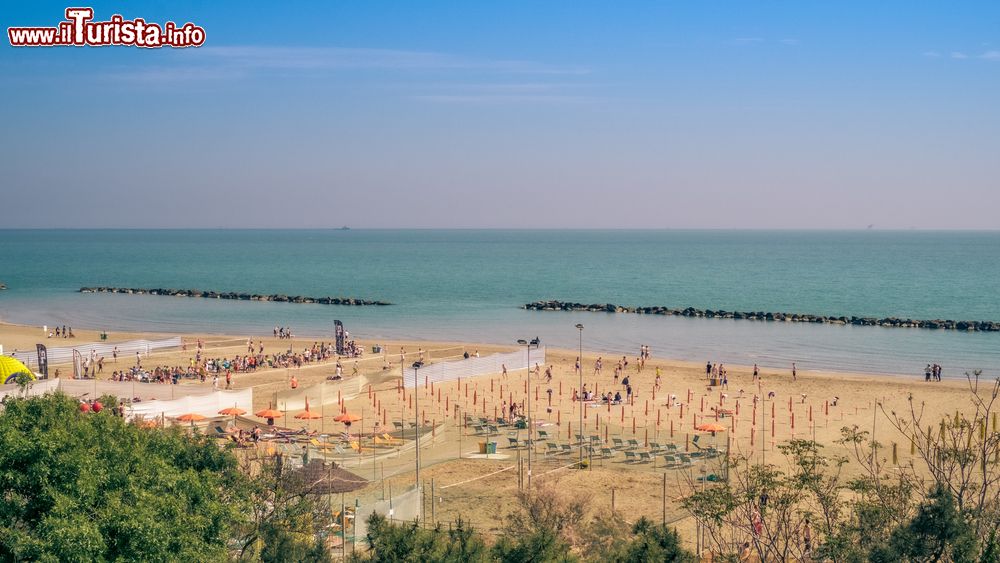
x=10, y=368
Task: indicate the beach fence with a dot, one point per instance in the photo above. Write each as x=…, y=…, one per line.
x=154, y=399
x=471, y=367
x=64, y=355
x=401, y=507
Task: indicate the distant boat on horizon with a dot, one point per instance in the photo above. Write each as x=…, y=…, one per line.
x=345, y=228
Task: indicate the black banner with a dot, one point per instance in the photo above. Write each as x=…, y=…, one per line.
x=43, y=361
x=338, y=330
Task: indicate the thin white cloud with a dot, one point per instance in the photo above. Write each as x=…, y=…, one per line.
x=932, y=54
x=790, y=41
x=748, y=40
x=343, y=58
x=959, y=55
x=991, y=55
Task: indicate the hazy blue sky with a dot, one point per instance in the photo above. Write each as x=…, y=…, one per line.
x=511, y=114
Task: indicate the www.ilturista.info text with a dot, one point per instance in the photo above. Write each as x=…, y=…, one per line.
x=80, y=30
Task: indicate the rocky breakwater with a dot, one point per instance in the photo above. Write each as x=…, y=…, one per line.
x=895, y=322
x=3, y=286
x=278, y=298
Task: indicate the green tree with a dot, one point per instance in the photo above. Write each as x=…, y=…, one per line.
x=90, y=487
x=651, y=542
x=938, y=532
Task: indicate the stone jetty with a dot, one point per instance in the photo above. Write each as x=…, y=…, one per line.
x=895, y=322
x=278, y=298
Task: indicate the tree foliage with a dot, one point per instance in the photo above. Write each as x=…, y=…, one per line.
x=89, y=487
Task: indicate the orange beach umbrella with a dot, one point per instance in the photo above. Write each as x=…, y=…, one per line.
x=308, y=414
x=269, y=412
x=347, y=417
x=232, y=411
x=710, y=427
x=191, y=417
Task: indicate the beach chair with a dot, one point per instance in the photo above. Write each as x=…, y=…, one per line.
x=398, y=425
x=671, y=447
x=484, y=421
x=514, y=443
x=630, y=456
x=633, y=444
x=543, y=435
x=711, y=452
x=673, y=462
x=685, y=459
x=655, y=446
x=492, y=429
x=645, y=457
x=607, y=452
x=480, y=429
x=595, y=439
x=566, y=448
x=579, y=438
x=340, y=450
x=551, y=448
x=502, y=422
x=618, y=443
x=317, y=444
x=694, y=441
x=220, y=431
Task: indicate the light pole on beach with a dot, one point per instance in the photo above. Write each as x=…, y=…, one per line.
x=527, y=404
x=579, y=393
x=416, y=417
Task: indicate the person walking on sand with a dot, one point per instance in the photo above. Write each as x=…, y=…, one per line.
x=793, y=371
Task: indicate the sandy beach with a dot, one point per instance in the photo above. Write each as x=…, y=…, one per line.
x=815, y=405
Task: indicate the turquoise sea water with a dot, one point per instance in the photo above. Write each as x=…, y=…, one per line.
x=468, y=285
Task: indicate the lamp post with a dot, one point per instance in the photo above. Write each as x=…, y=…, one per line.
x=416, y=416
x=527, y=403
x=579, y=394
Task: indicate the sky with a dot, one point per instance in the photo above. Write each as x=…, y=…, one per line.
x=513, y=114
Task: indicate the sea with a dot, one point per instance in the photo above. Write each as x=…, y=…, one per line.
x=470, y=285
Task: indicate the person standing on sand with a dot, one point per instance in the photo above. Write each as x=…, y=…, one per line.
x=597, y=366
x=756, y=373
x=793, y=371
x=503, y=370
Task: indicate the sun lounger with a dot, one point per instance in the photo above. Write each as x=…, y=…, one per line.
x=397, y=424
x=607, y=452
x=672, y=462
x=543, y=435
x=630, y=456
x=618, y=443
x=644, y=457
x=633, y=444
x=579, y=438
x=566, y=448
x=551, y=448
x=514, y=443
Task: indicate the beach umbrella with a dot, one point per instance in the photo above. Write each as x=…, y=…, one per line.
x=710, y=427
x=269, y=412
x=347, y=418
x=10, y=368
x=232, y=411
x=308, y=414
x=191, y=417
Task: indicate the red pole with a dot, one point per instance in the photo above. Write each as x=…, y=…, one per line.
x=810, y=413
x=657, y=417
x=671, y=428
x=703, y=404
x=772, y=411
x=793, y=421
x=647, y=407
